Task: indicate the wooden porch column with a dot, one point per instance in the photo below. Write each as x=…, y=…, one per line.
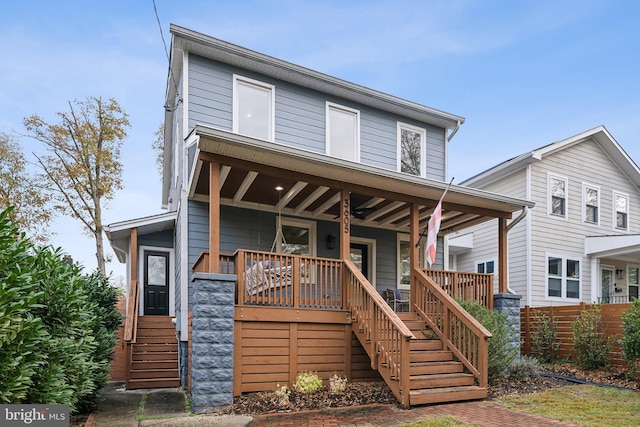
x=345, y=225
x=214, y=217
x=133, y=254
x=502, y=256
x=414, y=251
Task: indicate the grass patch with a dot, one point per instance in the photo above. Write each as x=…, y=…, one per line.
x=444, y=421
x=585, y=405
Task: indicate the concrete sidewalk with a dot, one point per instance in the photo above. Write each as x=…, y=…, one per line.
x=155, y=407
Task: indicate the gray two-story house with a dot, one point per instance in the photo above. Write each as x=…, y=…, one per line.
x=295, y=202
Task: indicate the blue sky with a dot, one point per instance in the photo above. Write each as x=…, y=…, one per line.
x=522, y=73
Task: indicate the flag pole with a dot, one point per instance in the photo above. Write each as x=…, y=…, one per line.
x=426, y=228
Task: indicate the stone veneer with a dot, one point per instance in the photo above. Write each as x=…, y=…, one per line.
x=212, y=340
x=510, y=305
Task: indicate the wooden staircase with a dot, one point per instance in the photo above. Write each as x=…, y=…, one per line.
x=154, y=355
x=435, y=376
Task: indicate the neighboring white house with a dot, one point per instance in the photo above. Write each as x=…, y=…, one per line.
x=581, y=241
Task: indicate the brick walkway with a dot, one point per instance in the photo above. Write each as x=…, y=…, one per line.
x=481, y=412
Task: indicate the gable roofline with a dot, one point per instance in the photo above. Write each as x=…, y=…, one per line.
x=184, y=39
x=118, y=233
x=599, y=134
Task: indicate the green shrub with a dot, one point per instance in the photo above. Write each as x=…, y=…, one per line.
x=630, y=341
x=524, y=367
x=592, y=348
x=307, y=382
x=544, y=337
x=501, y=351
x=58, y=326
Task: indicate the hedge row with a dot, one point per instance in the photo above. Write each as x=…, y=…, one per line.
x=57, y=325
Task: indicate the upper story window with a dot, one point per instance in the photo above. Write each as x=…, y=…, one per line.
x=412, y=150
x=621, y=208
x=557, y=200
x=253, y=108
x=563, y=277
x=343, y=132
x=591, y=204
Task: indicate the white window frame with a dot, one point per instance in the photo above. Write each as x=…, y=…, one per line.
x=617, y=194
x=550, y=213
x=423, y=147
x=585, y=187
x=563, y=277
x=300, y=223
x=332, y=106
x=237, y=79
x=401, y=238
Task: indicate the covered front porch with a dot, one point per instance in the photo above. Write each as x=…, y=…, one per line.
x=286, y=296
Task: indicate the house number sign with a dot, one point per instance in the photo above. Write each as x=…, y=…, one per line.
x=345, y=215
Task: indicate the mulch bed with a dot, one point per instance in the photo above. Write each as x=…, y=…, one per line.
x=378, y=392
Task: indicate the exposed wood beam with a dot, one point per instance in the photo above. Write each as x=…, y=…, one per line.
x=381, y=212
x=326, y=205
x=310, y=199
x=503, y=285
x=414, y=254
x=224, y=173
x=214, y=218
x=344, y=197
x=293, y=191
x=371, y=203
x=393, y=218
x=244, y=187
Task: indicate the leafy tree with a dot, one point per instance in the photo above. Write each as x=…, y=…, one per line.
x=83, y=160
x=21, y=190
x=157, y=145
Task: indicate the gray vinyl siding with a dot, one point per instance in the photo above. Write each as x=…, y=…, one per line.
x=585, y=162
x=160, y=239
x=485, y=238
x=300, y=116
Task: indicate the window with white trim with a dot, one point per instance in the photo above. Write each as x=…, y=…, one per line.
x=563, y=277
x=343, y=132
x=591, y=204
x=412, y=149
x=621, y=208
x=298, y=237
x=253, y=108
x=557, y=200
x=633, y=281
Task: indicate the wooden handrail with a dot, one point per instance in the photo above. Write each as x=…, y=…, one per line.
x=475, y=287
x=131, y=321
x=385, y=338
x=460, y=332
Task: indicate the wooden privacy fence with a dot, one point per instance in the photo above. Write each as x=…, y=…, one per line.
x=611, y=316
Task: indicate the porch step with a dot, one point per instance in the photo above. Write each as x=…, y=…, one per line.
x=447, y=394
x=154, y=356
x=441, y=380
x=430, y=356
x=426, y=368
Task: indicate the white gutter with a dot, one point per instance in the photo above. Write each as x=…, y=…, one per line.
x=453, y=131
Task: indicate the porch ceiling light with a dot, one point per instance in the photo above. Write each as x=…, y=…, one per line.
x=279, y=188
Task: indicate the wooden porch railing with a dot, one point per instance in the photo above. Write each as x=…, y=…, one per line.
x=465, y=286
x=131, y=326
x=460, y=332
x=382, y=334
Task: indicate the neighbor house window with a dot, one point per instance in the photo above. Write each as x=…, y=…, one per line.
x=558, y=196
x=486, y=267
x=591, y=203
x=253, y=108
x=412, y=150
x=622, y=211
x=633, y=282
x=343, y=132
x=563, y=277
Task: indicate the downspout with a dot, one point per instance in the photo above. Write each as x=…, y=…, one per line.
x=453, y=131
x=512, y=224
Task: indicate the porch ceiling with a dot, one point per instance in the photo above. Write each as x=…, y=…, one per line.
x=250, y=171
